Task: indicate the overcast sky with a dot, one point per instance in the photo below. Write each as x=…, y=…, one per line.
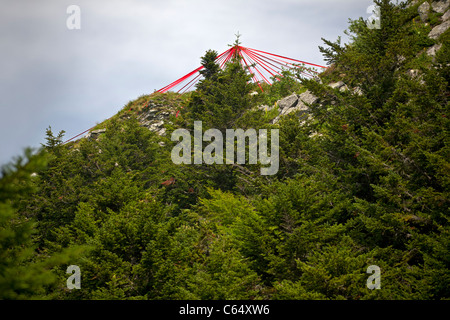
x=72, y=79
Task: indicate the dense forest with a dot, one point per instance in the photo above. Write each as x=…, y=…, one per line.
x=363, y=180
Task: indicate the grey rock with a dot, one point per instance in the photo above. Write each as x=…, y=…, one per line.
x=94, y=134
x=416, y=75
x=358, y=91
x=337, y=85
x=440, y=6
x=155, y=118
x=343, y=88
x=299, y=107
x=413, y=3
x=315, y=134
x=308, y=97
x=424, y=11
x=148, y=115
x=305, y=99
x=434, y=49
x=446, y=16
x=413, y=73
x=287, y=111
x=275, y=120
x=298, y=104
x=439, y=29
x=158, y=123
x=265, y=108
x=288, y=102
x=155, y=126
x=98, y=131
x=161, y=131
x=401, y=59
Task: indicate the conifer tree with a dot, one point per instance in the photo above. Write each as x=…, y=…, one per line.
x=223, y=96
x=24, y=273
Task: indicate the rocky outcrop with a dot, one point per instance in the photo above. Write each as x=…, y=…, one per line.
x=436, y=32
x=94, y=134
x=431, y=51
x=154, y=116
x=446, y=15
x=288, y=102
x=300, y=103
x=440, y=6
x=297, y=103
x=424, y=11
x=304, y=100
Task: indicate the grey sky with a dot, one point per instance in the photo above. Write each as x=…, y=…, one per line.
x=73, y=79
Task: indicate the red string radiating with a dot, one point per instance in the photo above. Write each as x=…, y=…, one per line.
x=260, y=64
x=263, y=66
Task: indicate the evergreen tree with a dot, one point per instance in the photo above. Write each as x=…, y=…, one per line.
x=223, y=96
x=363, y=181
x=24, y=273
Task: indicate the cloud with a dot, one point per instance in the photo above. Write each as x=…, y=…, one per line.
x=73, y=79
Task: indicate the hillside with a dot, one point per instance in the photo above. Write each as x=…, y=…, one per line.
x=363, y=180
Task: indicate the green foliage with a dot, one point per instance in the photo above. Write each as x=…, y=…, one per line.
x=53, y=141
x=282, y=86
x=211, y=68
x=363, y=180
x=24, y=272
x=222, y=96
